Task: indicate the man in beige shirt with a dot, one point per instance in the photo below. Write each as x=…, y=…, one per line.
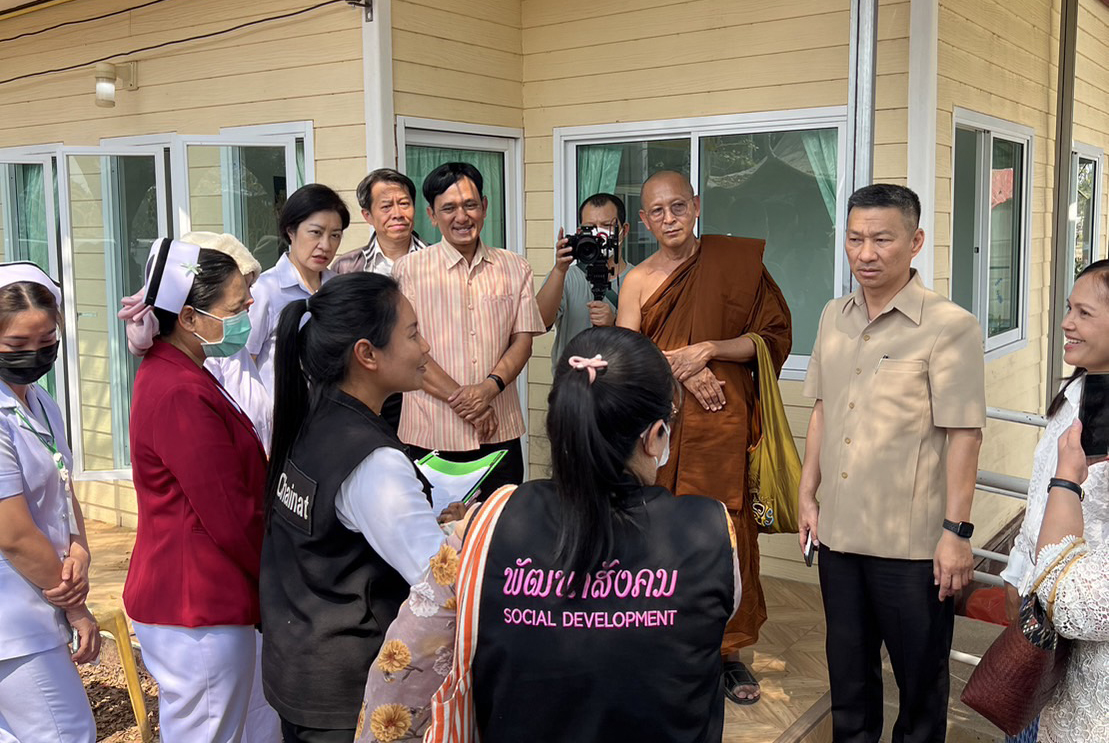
x=890, y=462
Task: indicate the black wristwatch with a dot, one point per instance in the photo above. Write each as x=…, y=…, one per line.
x=497, y=381
x=962, y=529
x=1058, y=482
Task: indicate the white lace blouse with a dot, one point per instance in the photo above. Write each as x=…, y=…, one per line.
x=1079, y=711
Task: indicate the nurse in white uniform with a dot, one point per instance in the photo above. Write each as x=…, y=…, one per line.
x=313, y=221
x=44, y=558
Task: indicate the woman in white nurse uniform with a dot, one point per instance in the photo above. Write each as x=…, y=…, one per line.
x=44, y=558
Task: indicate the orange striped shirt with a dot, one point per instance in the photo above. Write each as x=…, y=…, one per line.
x=468, y=314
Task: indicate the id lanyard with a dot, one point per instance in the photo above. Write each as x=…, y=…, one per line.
x=59, y=462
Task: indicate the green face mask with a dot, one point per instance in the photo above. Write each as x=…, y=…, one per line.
x=236, y=330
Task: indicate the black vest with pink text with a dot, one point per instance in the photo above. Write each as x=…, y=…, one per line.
x=632, y=652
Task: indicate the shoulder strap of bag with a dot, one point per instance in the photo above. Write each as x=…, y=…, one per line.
x=1050, y=608
x=451, y=707
x=768, y=396
x=1054, y=564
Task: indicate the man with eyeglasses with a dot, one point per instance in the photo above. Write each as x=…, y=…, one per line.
x=476, y=308
x=695, y=298
x=566, y=297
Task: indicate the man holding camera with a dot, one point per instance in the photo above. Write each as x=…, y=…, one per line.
x=567, y=298
x=696, y=298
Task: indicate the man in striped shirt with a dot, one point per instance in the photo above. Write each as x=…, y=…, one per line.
x=388, y=201
x=476, y=308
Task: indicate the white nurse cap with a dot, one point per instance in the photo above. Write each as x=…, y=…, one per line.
x=170, y=271
x=20, y=271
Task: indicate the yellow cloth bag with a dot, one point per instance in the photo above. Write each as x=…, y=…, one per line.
x=773, y=466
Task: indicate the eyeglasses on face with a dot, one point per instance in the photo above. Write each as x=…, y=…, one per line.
x=677, y=208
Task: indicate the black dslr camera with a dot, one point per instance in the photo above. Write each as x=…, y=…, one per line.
x=592, y=250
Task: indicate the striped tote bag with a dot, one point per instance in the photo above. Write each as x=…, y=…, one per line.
x=452, y=707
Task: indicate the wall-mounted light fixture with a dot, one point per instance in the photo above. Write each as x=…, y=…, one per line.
x=106, y=76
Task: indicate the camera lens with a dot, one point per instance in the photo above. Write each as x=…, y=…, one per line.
x=588, y=249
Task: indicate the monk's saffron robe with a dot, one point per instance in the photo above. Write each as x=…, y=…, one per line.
x=721, y=292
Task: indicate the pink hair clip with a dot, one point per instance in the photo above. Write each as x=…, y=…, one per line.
x=590, y=365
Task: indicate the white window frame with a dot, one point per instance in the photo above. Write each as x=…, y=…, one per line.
x=1086, y=152
x=568, y=139
x=70, y=287
x=46, y=157
x=412, y=130
x=158, y=145
x=992, y=128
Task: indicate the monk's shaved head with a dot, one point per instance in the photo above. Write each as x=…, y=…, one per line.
x=668, y=175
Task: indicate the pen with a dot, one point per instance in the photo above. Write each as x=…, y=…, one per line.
x=884, y=357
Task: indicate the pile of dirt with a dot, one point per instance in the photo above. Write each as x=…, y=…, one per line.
x=111, y=706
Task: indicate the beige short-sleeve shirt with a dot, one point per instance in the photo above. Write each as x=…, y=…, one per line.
x=891, y=386
x=468, y=314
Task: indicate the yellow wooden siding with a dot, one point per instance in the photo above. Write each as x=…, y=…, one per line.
x=458, y=61
x=306, y=68
x=1091, y=105
x=999, y=58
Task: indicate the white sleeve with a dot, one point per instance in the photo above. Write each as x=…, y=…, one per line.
x=240, y=378
x=11, y=473
x=1020, y=556
x=1080, y=585
x=383, y=500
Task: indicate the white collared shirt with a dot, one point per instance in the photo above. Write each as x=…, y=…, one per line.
x=28, y=623
x=242, y=382
x=379, y=263
x=273, y=291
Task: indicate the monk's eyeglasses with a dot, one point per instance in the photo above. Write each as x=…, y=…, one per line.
x=678, y=209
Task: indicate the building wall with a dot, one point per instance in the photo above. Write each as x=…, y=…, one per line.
x=458, y=61
x=304, y=68
x=1000, y=59
x=1091, y=95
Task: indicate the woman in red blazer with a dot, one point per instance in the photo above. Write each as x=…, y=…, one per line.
x=199, y=473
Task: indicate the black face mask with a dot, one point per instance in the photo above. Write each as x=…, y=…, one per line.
x=26, y=367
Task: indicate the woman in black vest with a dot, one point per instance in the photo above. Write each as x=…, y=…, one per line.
x=605, y=598
x=349, y=525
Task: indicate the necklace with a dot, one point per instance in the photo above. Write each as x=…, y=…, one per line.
x=56, y=456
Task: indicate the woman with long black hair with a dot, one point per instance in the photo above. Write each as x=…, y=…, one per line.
x=350, y=525
x=605, y=598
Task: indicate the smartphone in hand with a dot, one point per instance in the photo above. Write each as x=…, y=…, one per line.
x=1093, y=411
x=810, y=551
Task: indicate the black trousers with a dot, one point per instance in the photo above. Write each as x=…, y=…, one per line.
x=291, y=733
x=869, y=601
x=510, y=471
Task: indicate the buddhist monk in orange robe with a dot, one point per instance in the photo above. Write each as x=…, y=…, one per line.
x=695, y=298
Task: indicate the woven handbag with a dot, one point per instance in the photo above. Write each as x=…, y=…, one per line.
x=452, y=707
x=773, y=465
x=1019, y=672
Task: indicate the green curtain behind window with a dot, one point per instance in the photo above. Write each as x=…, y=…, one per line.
x=820, y=146
x=420, y=160
x=598, y=169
